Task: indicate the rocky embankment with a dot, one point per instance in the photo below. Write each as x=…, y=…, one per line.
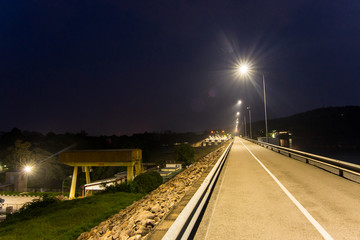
x=139, y=219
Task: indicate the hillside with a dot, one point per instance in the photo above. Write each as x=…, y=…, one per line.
x=332, y=127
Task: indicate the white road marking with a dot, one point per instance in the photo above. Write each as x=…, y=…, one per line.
x=317, y=225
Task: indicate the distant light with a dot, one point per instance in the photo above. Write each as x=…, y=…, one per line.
x=28, y=169
x=212, y=132
x=238, y=113
x=239, y=102
x=243, y=69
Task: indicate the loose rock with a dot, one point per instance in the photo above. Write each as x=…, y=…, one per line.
x=137, y=220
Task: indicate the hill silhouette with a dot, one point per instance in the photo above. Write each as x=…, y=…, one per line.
x=323, y=128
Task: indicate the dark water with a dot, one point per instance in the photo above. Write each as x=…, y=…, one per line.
x=352, y=156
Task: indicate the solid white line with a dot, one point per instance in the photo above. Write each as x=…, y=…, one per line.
x=317, y=225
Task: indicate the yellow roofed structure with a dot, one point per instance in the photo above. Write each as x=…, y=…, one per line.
x=129, y=158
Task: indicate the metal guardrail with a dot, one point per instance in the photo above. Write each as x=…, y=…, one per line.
x=341, y=166
x=185, y=224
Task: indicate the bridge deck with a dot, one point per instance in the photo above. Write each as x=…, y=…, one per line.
x=248, y=203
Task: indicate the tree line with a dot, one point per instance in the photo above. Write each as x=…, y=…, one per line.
x=29, y=148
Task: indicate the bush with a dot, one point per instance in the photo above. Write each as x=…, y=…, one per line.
x=143, y=183
x=146, y=182
x=122, y=187
x=185, y=154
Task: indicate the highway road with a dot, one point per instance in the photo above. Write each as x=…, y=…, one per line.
x=261, y=194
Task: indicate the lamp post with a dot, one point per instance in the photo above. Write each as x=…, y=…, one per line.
x=248, y=108
x=238, y=115
x=244, y=70
x=245, y=134
x=62, y=185
x=266, y=125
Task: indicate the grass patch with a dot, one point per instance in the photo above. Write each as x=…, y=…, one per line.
x=67, y=219
x=166, y=178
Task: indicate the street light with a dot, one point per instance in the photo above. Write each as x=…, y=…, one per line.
x=238, y=114
x=28, y=169
x=244, y=70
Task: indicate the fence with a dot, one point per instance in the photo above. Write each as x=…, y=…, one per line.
x=344, y=169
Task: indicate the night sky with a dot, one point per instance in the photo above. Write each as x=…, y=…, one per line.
x=124, y=67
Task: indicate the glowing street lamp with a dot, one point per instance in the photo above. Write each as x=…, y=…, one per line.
x=245, y=70
x=28, y=169
x=237, y=114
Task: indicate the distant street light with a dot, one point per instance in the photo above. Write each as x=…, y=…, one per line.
x=238, y=114
x=244, y=70
x=27, y=169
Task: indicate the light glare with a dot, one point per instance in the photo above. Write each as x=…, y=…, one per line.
x=27, y=169
x=243, y=69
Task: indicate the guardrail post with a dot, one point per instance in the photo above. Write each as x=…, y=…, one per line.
x=341, y=173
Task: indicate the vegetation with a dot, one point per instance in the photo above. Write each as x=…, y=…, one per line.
x=19, y=148
x=144, y=183
x=52, y=219
x=185, y=154
x=147, y=182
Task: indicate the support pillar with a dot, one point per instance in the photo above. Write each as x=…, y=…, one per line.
x=130, y=172
x=87, y=174
x=138, y=168
x=73, y=183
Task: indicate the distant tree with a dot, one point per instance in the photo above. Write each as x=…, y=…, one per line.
x=19, y=155
x=185, y=154
x=46, y=172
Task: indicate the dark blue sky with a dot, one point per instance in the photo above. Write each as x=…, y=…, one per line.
x=123, y=67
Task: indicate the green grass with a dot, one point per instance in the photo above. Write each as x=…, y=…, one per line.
x=67, y=219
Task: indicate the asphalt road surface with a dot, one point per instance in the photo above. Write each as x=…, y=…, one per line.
x=264, y=195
